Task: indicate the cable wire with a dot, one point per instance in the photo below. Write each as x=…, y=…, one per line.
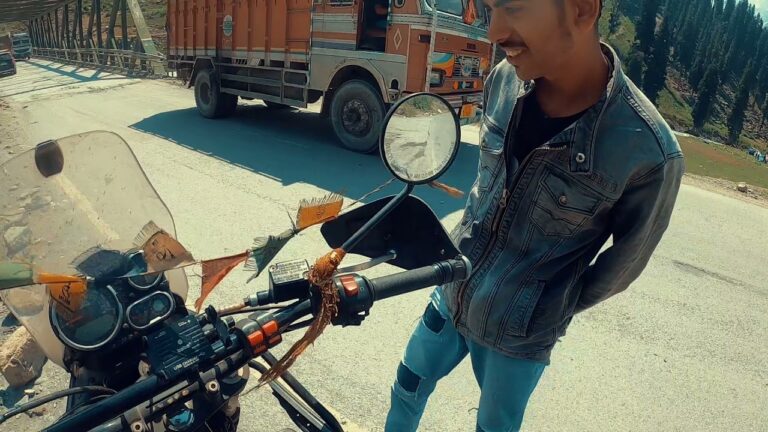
x=53, y=396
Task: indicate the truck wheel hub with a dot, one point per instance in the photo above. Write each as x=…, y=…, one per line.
x=205, y=93
x=356, y=118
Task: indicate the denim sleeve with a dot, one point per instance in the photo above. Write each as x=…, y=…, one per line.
x=639, y=219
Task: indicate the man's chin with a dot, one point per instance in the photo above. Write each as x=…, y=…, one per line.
x=522, y=72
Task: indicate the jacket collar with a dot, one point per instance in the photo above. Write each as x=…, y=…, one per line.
x=582, y=135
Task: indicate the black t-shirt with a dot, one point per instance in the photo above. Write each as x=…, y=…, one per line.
x=535, y=129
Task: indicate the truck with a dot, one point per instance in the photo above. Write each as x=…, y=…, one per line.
x=358, y=56
x=17, y=44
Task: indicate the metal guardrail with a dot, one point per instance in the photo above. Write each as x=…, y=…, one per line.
x=131, y=63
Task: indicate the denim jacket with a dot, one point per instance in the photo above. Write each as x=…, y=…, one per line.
x=532, y=241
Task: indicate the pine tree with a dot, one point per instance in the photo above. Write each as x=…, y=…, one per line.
x=630, y=8
x=736, y=118
x=706, y=98
x=738, y=30
x=684, y=16
x=646, y=28
x=697, y=73
x=615, y=20
x=761, y=87
x=718, y=7
x=635, y=66
x=730, y=6
x=765, y=113
x=686, y=49
x=655, y=77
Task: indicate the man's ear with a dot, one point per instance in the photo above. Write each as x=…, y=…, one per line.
x=586, y=14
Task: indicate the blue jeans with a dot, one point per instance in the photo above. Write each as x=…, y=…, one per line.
x=434, y=350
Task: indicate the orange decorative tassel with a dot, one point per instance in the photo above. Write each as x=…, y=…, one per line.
x=452, y=191
x=320, y=276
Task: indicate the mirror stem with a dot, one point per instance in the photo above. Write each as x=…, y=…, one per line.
x=357, y=236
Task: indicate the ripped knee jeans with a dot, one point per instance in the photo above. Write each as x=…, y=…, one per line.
x=434, y=350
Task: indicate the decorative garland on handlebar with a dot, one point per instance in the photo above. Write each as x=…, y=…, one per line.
x=163, y=252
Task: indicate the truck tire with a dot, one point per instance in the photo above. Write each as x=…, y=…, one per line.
x=210, y=101
x=357, y=113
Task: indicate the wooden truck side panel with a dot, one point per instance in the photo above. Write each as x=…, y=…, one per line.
x=277, y=30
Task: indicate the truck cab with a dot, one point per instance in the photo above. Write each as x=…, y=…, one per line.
x=358, y=56
x=22, y=47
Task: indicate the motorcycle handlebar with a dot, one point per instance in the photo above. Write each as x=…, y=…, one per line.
x=412, y=280
x=380, y=288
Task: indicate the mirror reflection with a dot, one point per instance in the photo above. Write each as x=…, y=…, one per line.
x=420, y=139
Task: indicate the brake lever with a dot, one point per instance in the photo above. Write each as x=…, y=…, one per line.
x=368, y=264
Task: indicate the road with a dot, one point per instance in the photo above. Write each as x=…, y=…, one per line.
x=683, y=349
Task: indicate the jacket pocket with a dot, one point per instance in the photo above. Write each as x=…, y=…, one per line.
x=560, y=207
x=521, y=309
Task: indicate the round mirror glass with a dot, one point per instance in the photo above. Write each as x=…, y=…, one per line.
x=420, y=138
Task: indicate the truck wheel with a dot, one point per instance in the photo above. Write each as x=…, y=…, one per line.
x=210, y=101
x=357, y=112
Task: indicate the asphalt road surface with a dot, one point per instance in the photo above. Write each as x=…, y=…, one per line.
x=683, y=349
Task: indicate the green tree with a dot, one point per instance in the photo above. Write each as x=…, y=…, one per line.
x=761, y=87
x=718, y=7
x=615, y=20
x=635, y=66
x=765, y=113
x=706, y=98
x=730, y=6
x=686, y=48
x=646, y=28
x=656, y=68
x=736, y=118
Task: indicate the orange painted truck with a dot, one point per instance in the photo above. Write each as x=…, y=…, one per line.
x=359, y=56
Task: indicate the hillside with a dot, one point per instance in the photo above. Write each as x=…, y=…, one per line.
x=677, y=98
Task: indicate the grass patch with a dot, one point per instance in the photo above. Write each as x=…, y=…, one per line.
x=721, y=161
x=674, y=109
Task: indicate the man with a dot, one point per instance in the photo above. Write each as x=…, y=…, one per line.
x=571, y=153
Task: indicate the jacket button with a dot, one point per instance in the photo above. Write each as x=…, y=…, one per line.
x=563, y=200
x=580, y=158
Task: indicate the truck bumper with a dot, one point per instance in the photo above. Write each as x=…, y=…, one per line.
x=468, y=107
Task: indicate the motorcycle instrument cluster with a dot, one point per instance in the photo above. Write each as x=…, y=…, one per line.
x=111, y=312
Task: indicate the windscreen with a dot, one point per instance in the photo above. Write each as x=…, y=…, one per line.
x=61, y=201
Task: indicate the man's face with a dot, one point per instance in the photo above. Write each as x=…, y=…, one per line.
x=535, y=34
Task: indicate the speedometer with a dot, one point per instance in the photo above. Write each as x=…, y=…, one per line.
x=94, y=324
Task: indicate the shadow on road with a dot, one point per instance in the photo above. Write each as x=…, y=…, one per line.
x=95, y=75
x=299, y=147
x=49, y=76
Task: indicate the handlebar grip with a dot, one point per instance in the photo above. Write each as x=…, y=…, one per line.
x=412, y=280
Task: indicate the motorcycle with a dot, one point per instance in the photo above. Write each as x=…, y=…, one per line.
x=91, y=267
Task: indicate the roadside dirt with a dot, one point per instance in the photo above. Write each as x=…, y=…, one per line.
x=755, y=195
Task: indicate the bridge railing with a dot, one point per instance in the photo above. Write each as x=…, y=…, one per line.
x=131, y=63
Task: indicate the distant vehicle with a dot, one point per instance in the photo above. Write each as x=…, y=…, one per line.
x=17, y=43
x=7, y=64
x=751, y=151
x=355, y=55
x=22, y=47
